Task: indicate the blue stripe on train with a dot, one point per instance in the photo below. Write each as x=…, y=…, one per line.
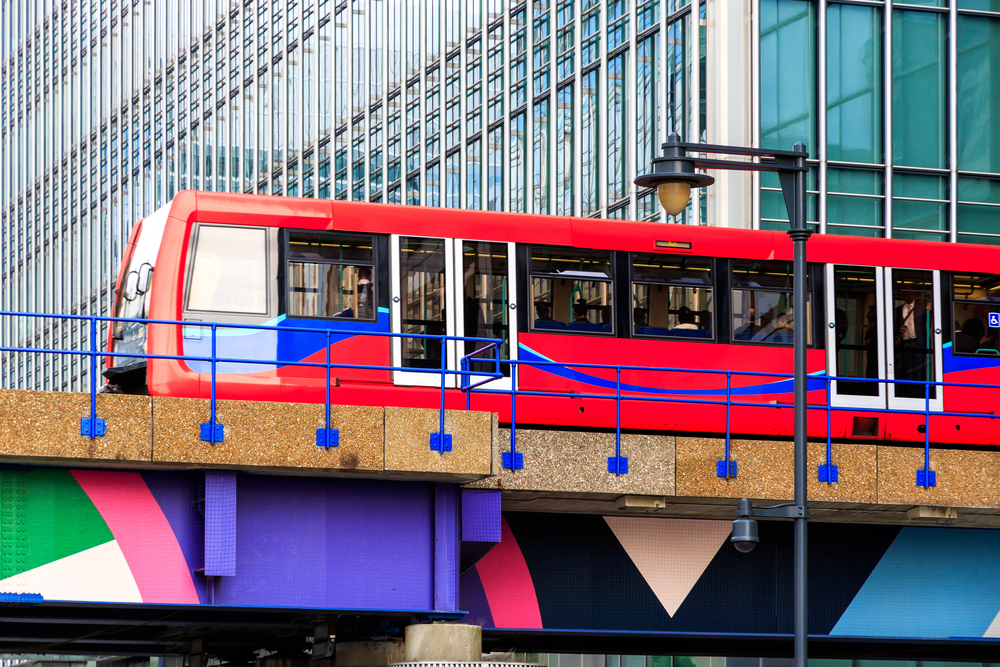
x=271, y=345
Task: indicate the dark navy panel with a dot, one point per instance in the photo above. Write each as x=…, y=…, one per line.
x=582, y=576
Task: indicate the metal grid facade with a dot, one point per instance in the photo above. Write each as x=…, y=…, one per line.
x=107, y=108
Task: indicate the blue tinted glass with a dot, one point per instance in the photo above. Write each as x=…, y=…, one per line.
x=918, y=89
x=787, y=74
x=854, y=84
x=919, y=219
x=978, y=94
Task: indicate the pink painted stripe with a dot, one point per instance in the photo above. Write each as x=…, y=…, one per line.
x=508, y=586
x=143, y=533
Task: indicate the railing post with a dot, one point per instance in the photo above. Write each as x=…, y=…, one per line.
x=618, y=464
x=727, y=468
x=828, y=472
x=925, y=476
x=512, y=460
x=211, y=431
x=328, y=437
x=441, y=441
x=92, y=426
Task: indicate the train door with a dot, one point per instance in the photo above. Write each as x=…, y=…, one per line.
x=913, y=337
x=883, y=324
x=855, y=310
x=485, y=288
x=422, y=293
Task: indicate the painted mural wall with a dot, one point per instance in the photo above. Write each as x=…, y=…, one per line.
x=199, y=538
x=639, y=574
x=131, y=537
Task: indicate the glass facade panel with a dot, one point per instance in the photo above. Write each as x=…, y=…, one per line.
x=979, y=93
x=618, y=172
x=855, y=202
x=788, y=73
x=919, y=207
x=854, y=83
x=918, y=89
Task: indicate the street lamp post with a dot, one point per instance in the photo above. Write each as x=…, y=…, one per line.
x=674, y=174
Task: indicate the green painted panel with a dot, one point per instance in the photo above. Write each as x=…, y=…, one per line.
x=45, y=516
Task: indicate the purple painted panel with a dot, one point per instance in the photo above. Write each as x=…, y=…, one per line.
x=445, y=547
x=474, y=600
x=220, y=523
x=176, y=493
x=480, y=515
x=332, y=544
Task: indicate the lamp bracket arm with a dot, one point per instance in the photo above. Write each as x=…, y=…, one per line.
x=783, y=511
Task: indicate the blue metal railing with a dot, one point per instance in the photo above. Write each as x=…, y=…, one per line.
x=485, y=382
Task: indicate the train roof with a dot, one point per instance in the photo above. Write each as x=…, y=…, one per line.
x=224, y=208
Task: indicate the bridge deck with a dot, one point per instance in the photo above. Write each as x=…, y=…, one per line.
x=563, y=470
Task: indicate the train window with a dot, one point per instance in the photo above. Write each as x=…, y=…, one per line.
x=229, y=274
x=975, y=296
x=331, y=275
x=671, y=296
x=571, y=290
x=762, y=302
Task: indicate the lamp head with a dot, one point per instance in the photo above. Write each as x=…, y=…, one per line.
x=674, y=196
x=744, y=535
x=674, y=174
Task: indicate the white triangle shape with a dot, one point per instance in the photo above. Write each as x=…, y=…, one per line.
x=98, y=574
x=994, y=629
x=671, y=554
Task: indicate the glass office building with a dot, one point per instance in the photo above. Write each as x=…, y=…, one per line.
x=107, y=108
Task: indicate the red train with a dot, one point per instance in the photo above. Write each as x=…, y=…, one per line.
x=589, y=291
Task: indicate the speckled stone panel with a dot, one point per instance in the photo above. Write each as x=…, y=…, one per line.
x=964, y=478
x=765, y=470
x=407, y=441
x=267, y=434
x=577, y=462
x=46, y=424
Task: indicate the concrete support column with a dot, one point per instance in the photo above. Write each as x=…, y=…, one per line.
x=443, y=642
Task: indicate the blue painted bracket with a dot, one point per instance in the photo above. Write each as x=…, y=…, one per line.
x=212, y=435
x=437, y=445
x=21, y=598
x=618, y=465
x=327, y=437
x=518, y=461
x=828, y=473
x=722, y=471
x=92, y=426
x=926, y=478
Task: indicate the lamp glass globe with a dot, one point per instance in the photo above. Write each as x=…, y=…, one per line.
x=674, y=196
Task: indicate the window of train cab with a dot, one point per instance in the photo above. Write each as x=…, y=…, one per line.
x=672, y=296
x=974, y=297
x=333, y=275
x=572, y=290
x=231, y=274
x=761, y=303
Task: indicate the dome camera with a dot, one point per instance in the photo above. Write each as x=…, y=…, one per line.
x=744, y=535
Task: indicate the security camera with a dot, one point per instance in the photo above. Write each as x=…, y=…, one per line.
x=744, y=535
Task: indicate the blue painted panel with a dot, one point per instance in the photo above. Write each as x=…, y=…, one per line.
x=445, y=547
x=931, y=582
